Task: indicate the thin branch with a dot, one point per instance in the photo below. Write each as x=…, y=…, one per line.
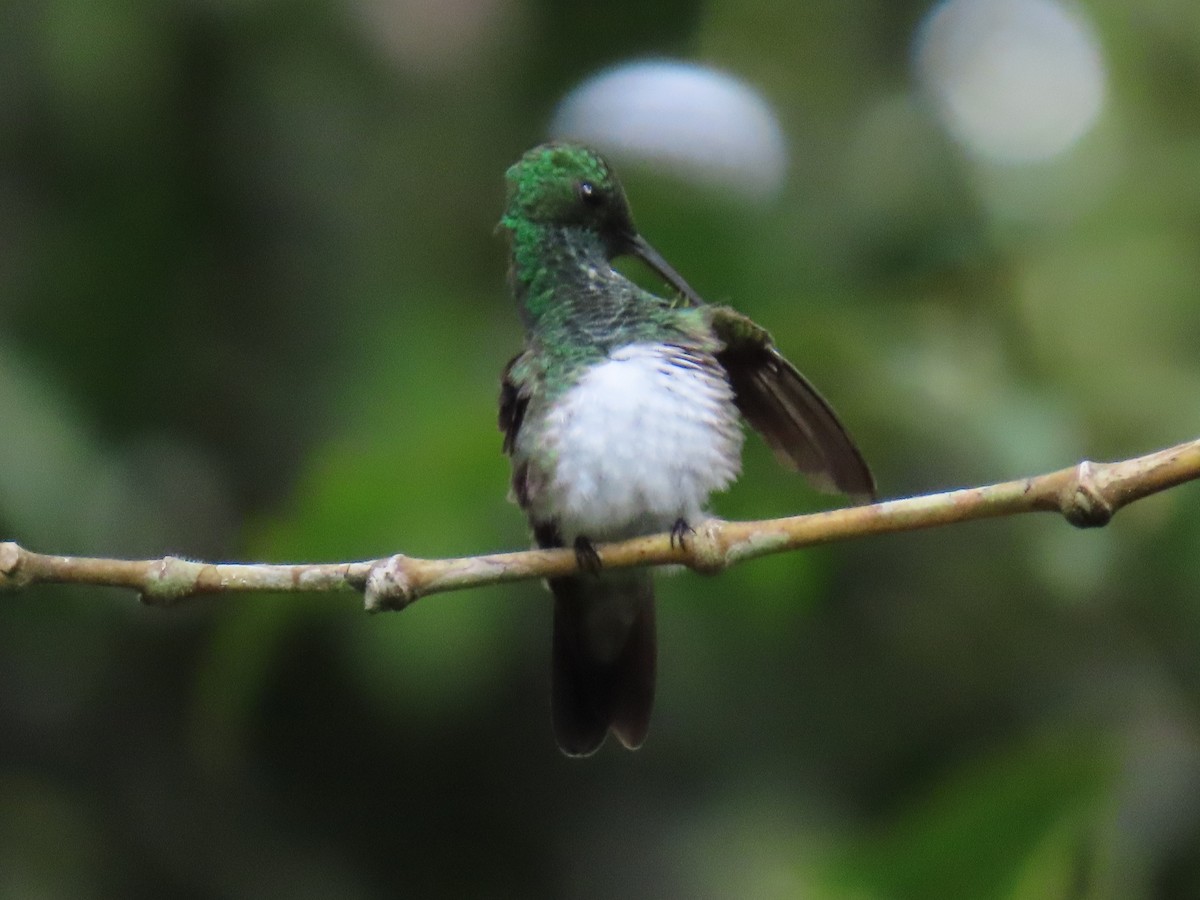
x=1087, y=495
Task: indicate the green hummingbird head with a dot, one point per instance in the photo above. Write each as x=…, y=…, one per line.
x=566, y=184
x=569, y=186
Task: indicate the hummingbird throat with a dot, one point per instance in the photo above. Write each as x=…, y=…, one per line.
x=563, y=280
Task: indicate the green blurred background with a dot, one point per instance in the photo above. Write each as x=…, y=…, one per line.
x=253, y=307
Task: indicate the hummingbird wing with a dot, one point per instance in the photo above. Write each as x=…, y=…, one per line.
x=514, y=400
x=781, y=405
x=512, y=406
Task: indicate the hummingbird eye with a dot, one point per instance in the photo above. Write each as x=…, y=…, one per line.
x=589, y=194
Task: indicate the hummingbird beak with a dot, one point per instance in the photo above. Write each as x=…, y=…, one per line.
x=639, y=247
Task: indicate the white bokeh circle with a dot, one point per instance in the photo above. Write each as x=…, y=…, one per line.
x=703, y=123
x=1015, y=81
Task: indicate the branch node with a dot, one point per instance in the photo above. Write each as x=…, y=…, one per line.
x=706, y=546
x=11, y=577
x=389, y=587
x=1082, y=502
x=169, y=580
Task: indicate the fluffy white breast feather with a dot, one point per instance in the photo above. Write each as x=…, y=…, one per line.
x=640, y=441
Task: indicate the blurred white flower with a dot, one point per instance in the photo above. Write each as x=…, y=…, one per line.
x=703, y=123
x=1015, y=81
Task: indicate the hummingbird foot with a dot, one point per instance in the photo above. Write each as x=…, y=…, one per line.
x=586, y=556
x=679, y=532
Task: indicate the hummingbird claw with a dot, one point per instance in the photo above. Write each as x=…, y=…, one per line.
x=586, y=556
x=679, y=532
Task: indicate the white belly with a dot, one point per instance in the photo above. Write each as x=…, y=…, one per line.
x=638, y=443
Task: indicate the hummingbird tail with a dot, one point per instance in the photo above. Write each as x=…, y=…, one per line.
x=604, y=659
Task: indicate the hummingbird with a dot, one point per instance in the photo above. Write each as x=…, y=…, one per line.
x=621, y=416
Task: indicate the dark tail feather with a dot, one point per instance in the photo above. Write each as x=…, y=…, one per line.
x=604, y=659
